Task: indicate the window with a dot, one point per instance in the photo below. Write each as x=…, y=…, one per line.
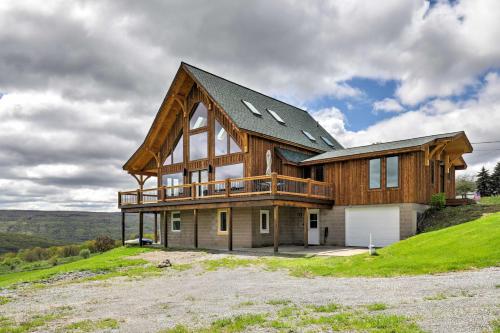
x=374, y=173
x=306, y=172
x=175, y=221
x=198, y=146
x=327, y=141
x=224, y=143
x=177, y=155
x=222, y=221
x=252, y=108
x=313, y=221
x=173, y=180
x=264, y=221
x=199, y=117
x=392, y=171
x=276, y=116
x=309, y=136
x=229, y=171
x=318, y=173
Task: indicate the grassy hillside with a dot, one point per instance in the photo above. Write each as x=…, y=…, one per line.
x=11, y=242
x=469, y=245
x=69, y=227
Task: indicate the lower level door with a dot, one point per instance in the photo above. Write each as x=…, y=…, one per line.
x=313, y=227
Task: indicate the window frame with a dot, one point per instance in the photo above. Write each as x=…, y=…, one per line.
x=191, y=114
x=370, y=173
x=207, y=143
x=387, y=170
x=219, y=231
x=264, y=212
x=172, y=219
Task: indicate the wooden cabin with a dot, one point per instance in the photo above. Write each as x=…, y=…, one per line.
x=235, y=168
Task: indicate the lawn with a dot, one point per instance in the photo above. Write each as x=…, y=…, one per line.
x=493, y=200
x=110, y=263
x=470, y=245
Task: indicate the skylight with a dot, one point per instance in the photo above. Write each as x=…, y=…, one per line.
x=309, y=136
x=328, y=142
x=251, y=108
x=276, y=116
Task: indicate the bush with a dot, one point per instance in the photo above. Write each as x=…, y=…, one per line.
x=104, y=243
x=53, y=261
x=85, y=253
x=34, y=254
x=12, y=263
x=90, y=245
x=68, y=251
x=438, y=201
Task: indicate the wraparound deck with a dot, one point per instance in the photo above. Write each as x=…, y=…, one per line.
x=272, y=188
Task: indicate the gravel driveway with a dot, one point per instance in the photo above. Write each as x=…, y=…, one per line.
x=456, y=302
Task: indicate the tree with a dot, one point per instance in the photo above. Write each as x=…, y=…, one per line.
x=495, y=180
x=483, y=183
x=464, y=185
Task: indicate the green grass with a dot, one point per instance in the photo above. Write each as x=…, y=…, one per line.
x=4, y=300
x=376, y=307
x=278, y=302
x=228, y=262
x=331, y=307
x=34, y=323
x=495, y=326
x=111, y=263
x=92, y=325
x=493, y=200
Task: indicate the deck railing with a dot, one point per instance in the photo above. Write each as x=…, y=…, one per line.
x=233, y=187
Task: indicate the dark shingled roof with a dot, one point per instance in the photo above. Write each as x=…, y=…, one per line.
x=292, y=155
x=229, y=96
x=378, y=147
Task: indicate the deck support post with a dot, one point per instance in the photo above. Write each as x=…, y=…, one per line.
x=195, y=218
x=276, y=228
x=123, y=228
x=163, y=216
x=141, y=227
x=306, y=227
x=230, y=229
x=155, y=229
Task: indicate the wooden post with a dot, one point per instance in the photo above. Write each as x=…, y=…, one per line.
x=139, y=197
x=141, y=227
x=119, y=199
x=123, y=228
x=165, y=230
x=193, y=191
x=230, y=229
x=274, y=183
x=195, y=217
x=276, y=228
x=309, y=187
x=227, y=186
x=306, y=227
x=156, y=229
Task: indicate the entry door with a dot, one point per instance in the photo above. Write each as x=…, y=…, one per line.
x=200, y=176
x=313, y=227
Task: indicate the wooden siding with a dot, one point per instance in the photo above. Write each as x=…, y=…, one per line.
x=350, y=180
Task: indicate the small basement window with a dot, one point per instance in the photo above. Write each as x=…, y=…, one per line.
x=175, y=221
x=252, y=108
x=276, y=116
x=327, y=141
x=309, y=136
x=264, y=221
x=222, y=222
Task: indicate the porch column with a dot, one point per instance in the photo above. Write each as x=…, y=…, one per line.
x=155, y=229
x=165, y=229
x=123, y=228
x=230, y=229
x=276, y=223
x=141, y=227
x=306, y=227
x=195, y=217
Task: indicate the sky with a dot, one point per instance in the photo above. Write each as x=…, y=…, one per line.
x=81, y=81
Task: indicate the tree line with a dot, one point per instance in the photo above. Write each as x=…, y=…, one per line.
x=486, y=183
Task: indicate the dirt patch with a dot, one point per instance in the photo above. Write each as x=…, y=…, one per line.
x=178, y=257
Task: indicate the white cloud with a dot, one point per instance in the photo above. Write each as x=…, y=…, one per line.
x=388, y=105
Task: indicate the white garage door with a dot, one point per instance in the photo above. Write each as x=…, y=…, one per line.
x=381, y=222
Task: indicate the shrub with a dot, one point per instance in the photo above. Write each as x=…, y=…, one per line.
x=84, y=253
x=438, y=201
x=104, y=243
x=69, y=251
x=90, y=245
x=34, y=254
x=53, y=261
x=11, y=262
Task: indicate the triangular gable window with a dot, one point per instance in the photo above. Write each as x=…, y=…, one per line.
x=177, y=154
x=199, y=117
x=224, y=144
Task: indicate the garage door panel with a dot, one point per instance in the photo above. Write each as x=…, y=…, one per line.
x=381, y=222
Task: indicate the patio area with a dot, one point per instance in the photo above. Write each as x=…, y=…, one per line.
x=300, y=251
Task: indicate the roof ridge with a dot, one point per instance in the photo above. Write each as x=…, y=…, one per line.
x=409, y=139
x=260, y=93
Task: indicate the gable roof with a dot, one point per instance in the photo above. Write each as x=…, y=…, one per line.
x=291, y=156
x=380, y=147
x=229, y=96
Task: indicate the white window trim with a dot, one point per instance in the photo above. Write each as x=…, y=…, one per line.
x=264, y=212
x=220, y=232
x=172, y=221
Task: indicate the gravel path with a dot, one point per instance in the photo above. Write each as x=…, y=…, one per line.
x=456, y=302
